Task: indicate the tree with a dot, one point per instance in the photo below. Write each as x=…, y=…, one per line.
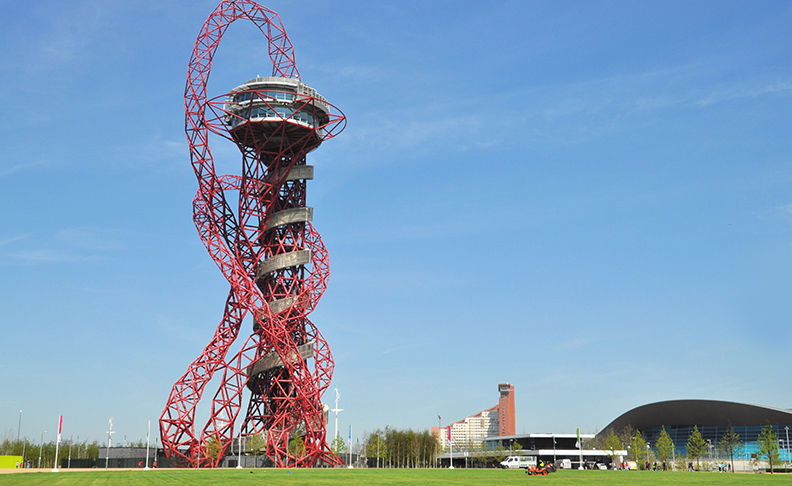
x=665, y=446
x=339, y=446
x=515, y=449
x=256, y=443
x=376, y=448
x=768, y=446
x=696, y=445
x=612, y=444
x=92, y=450
x=499, y=453
x=729, y=444
x=626, y=434
x=637, y=450
x=297, y=446
x=213, y=448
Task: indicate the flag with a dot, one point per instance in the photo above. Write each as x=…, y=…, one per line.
x=577, y=444
x=60, y=427
x=449, y=433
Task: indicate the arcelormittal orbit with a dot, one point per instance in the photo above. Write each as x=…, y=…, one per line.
x=268, y=250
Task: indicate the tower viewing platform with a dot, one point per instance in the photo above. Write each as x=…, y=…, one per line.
x=256, y=110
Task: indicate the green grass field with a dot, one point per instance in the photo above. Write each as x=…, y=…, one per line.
x=396, y=477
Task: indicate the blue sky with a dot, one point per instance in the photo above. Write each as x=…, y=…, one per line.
x=588, y=200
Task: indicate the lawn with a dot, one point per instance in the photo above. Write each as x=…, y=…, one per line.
x=395, y=477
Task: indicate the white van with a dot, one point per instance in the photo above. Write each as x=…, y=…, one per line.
x=518, y=462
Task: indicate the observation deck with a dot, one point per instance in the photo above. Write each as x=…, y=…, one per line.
x=274, y=111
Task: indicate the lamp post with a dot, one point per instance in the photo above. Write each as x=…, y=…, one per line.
x=467, y=443
x=41, y=446
x=439, y=421
x=239, y=449
x=70, y=446
x=554, y=450
x=148, y=434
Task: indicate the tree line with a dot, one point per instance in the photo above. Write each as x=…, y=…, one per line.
x=391, y=448
x=696, y=446
x=400, y=448
x=32, y=450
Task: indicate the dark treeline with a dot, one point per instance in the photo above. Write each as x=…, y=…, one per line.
x=30, y=451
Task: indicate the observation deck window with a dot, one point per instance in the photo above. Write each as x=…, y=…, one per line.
x=265, y=95
x=279, y=112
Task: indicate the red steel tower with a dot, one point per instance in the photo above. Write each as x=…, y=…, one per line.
x=267, y=249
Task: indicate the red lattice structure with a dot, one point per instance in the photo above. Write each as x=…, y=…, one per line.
x=268, y=250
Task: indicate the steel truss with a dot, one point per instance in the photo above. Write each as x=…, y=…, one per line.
x=277, y=270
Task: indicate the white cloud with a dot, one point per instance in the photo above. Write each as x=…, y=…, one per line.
x=77, y=244
x=21, y=167
x=741, y=91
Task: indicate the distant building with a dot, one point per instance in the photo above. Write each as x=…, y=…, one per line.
x=711, y=418
x=506, y=409
x=496, y=421
x=554, y=448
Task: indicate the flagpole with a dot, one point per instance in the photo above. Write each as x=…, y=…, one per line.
x=148, y=433
x=349, y=464
x=580, y=448
x=450, y=448
x=57, y=443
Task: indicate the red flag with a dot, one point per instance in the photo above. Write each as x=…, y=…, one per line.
x=60, y=427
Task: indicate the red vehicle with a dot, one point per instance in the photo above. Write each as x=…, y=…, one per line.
x=540, y=470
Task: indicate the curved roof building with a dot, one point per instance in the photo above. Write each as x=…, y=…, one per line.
x=712, y=417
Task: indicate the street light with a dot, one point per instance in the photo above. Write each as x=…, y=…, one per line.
x=239, y=449
x=70, y=445
x=439, y=425
x=554, y=450
x=41, y=445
